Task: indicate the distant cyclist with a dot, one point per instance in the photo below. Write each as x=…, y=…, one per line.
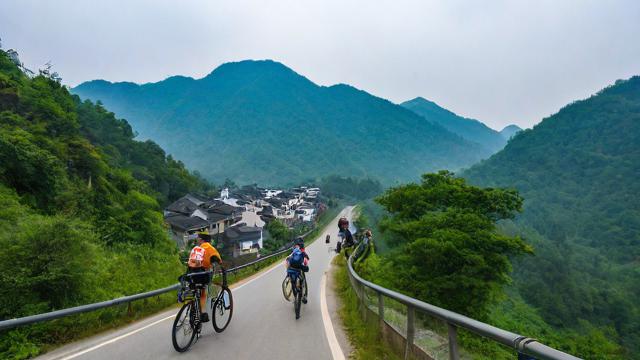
x=200, y=260
x=367, y=237
x=298, y=261
x=345, y=234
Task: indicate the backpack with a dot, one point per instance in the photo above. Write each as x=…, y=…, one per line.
x=196, y=257
x=296, y=260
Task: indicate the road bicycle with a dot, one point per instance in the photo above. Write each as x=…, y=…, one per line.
x=295, y=284
x=187, y=325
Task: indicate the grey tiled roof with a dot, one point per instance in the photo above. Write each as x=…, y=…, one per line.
x=186, y=223
x=241, y=233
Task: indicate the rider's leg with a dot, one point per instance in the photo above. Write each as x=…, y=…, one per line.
x=305, y=289
x=204, y=317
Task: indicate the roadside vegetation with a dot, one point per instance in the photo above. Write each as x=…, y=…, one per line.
x=447, y=245
x=80, y=212
x=363, y=335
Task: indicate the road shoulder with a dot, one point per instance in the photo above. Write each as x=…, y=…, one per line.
x=334, y=304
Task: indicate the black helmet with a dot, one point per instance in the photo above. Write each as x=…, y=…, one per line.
x=204, y=236
x=299, y=241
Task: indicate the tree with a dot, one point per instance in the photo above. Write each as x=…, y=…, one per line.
x=280, y=234
x=447, y=250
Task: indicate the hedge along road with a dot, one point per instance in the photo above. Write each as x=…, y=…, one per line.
x=263, y=324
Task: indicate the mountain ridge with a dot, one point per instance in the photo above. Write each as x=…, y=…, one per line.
x=264, y=117
x=469, y=129
x=578, y=173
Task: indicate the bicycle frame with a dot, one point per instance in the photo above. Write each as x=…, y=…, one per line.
x=222, y=286
x=299, y=277
x=190, y=295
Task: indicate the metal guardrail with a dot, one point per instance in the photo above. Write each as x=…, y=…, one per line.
x=521, y=344
x=13, y=323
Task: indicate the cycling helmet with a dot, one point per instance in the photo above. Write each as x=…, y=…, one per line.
x=204, y=236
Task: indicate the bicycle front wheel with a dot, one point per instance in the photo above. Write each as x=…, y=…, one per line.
x=222, y=310
x=184, y=328
x=287, y=289
x=304, y=285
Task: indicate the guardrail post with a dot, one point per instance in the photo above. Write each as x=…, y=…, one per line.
x=363, y=301
x=411, y=313
x=129, y=309
x=453, y=342
x=381, y=309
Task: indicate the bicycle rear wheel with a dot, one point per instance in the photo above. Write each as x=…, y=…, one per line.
x=184, y=328
x=297, y=303
x=222, y=310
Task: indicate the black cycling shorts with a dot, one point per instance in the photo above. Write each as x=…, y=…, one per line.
x=200, y=278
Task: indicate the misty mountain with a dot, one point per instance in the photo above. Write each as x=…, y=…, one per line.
x=259, y=121
x=578, y=171
x=509, y=131
x=469, y=129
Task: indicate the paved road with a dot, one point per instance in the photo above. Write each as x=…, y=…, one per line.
x=263, y=324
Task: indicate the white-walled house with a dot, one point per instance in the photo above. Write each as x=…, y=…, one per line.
x=191, y=214
x=269, y=193
x=306, y=212
x=243, y=239
x=224, y=194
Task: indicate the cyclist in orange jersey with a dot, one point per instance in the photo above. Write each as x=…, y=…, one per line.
x=200, y=260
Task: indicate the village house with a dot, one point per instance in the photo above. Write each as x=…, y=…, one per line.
x=306, y=212
x=241, y=240
x=182, y=228
x=191, y=214
x=249, y=205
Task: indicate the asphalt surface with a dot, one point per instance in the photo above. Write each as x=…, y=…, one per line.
x=263, y=324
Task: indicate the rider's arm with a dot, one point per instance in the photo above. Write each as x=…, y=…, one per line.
x=213, y=256
x=215, y=259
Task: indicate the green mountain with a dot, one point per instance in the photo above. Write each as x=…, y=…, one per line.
x=259, y=121
x=510, y=130
x=578, y=171
x=469, y=129
x=80, y=210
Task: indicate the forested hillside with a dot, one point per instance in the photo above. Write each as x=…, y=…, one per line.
x=259, y=121
x=578, y=171
x=80, y=208
x=470, y=129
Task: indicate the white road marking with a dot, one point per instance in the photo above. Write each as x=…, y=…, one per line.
x=116, y=339
x=325, y=314
x=336, y=350
x=95, y=347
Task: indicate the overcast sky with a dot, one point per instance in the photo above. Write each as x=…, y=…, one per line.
x=497, y=61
